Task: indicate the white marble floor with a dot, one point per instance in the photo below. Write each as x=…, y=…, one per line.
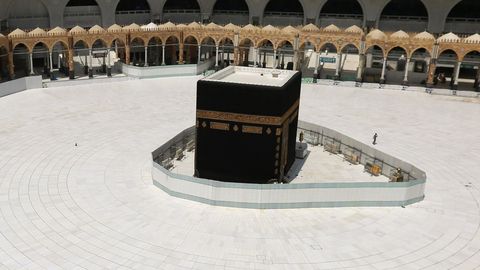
x=318, y=167
x=93, y=206
x=321, y=166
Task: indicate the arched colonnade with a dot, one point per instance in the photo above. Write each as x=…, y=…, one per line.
x=398, y=55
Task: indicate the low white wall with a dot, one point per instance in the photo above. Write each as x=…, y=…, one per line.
x=85, y=80
x=287, y=195
x=434, y=91
x=18, y=85
x=166, y=71
x=269, y=196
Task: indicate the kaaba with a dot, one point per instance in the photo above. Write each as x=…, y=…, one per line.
x=246, y=124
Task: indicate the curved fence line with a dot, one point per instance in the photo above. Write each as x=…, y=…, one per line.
x=303, y=195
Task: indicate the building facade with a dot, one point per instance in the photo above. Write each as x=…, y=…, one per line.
x=435, y=16
x=399, y=56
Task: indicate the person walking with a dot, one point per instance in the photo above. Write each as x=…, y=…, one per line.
x=375, y=138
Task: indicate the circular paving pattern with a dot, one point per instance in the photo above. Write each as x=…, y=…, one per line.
x=93, y=206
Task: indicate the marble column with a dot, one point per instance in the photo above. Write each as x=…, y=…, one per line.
x=295, y=60
x=90, y=65
x=146, y=56
x=264, y=63
x=361, y=68
x=315, y=72
x=431, y=72
x=282, y=65
x=456, y=75
x=405, y=77
x=109, y=66
x=255, y=57
x=127, y=54
x=31, y=64
x=50, y=55
x=337, y=66
x=71, y=69
x=11, y=66
x=216, y=57
x=384, y=69
x=163, y=54
x=236, y=56
x=274, y=58
x=180, y=53
x=199, y=57
x=85, y=66
x=228, y=58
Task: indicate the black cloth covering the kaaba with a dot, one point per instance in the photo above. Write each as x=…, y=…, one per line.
x=233, y=155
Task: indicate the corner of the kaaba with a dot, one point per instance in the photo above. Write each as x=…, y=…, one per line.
x=246, y=132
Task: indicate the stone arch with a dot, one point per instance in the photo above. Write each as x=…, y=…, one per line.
x=474, y=51
x=59, y=50
x=81, y=51
x=80, y=43
x=263, y=42
x=396, y=48
x=119, y=47
x=307, y=44
x=172, y=50
x=209, y=40
x=396, y=64
x=25, y=13
x=132, y=11
x=225, y=41
x=446, y=64
x=226, y=50
x=99, y=43
x=16, y=44
x=350, y=44
x=412, y=14
x=155, y=51
x=100, y=49
x=285, y=57
x=343, y=13
x=155, y=40
x=191, y=38
x=40, y=56
x=21, y=59
x=416, y=50
x=282, y=43
x=137, y=51
x=419, y=63
x=173, y=10
x=61, y=42
x=223, y=38
x=329, y=46
x=190, y=49
x=470, y=70
x=463, y=17
x=266, y=49
x=246, y=41
x=82, y=12
x=137, y=36
x=465, y=9
x=376, y=47
x=245, y=51
x=349, y=58
x=449, y=51
x=231, y=11
x=374, y=56
x=284, y=12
